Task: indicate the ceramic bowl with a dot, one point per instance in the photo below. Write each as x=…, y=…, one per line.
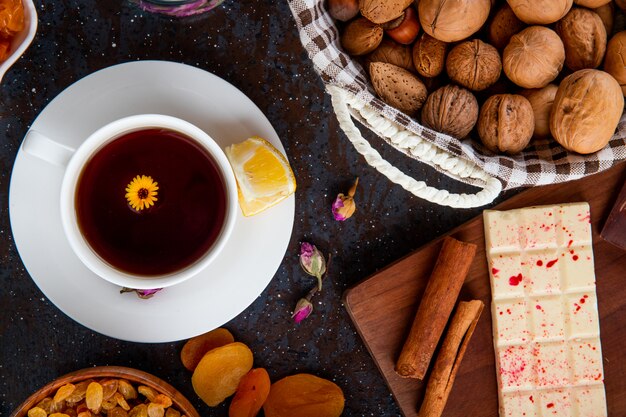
x=135, y=376
x=22, y=40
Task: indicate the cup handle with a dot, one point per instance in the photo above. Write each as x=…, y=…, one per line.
x=46, y=149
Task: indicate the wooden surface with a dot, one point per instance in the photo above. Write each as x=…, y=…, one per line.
x=135, y=376
x=382, y=307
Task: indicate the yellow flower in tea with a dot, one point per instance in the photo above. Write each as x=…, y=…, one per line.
x=141, y=192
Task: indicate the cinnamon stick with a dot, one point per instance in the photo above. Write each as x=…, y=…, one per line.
x=435, y=308
x=450, y=357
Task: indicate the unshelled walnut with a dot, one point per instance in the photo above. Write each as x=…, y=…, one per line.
x=382, y=11
x=540, y=12
x=392, y=52
x=586, y=110
x=474, y=64
x=453, y=20
x=615, y=59
x=452, y=110
x=503, y=25
x=592, y=4
x=584, y=38
x=398, y=87
x=506, y=123
x=541, y=100
x=361, y=37
x=534, y=57
x=429, y=55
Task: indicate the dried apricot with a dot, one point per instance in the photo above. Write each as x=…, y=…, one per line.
x=163, y=400
x=251, y=394
x=219, y=372
x=64, y=392
x=11, y=17
x=198, y=346
x=304, y=395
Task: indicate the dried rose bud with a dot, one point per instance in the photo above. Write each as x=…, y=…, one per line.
x=303, y=309
x=343, y=207
x=143, y=294
x=312, y=261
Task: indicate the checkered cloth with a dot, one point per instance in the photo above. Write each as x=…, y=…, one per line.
x=543, y=162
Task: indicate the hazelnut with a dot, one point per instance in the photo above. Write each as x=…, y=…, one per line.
x=606, y=13
x=503, y=25
x=541, y=100
x=392, y=53
x=343, y=10
x=506, y=123
x=453, y=20
x=540, y=12
x=398, y=87
x=533, y=57
x=586, y=110
x=382, y=11
x=452, y=110
x=361, y=37
x=584, y=38
x=474, y=64
x=408, y=28
x=592, y=4
x=615, y=59
x=429, y=55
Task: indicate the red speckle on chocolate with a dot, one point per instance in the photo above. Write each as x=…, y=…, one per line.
x=577, y=308
x=508, y=310
x=501, y=313
x=515, y=280
x=570, y=243
x=585, y=296
x=575, y=257
x=571, y=251
x=582, y=301
x=550, y=405
x=539, y=262
x=538, y=307
x=551, y=263
x=598, y=377
x=494, y=271
x=531, y=399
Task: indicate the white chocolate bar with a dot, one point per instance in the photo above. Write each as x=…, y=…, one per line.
x=544, y=310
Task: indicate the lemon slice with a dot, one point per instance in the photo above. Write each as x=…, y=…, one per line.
x=264, y=177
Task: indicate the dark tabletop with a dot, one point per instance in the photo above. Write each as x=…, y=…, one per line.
x=255, y=46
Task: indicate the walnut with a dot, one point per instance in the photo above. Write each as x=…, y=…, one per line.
x=452, y=110
x=615, y=59
x=534, y=57
x=586, y=110
x=584, y=37
x=540, y=12
x=606, y=13
x=361, y=37
x=592, y=4
x=381, y=11
x=398, y=87
x=503, y=25
x=453, y=20
x=506, y=123
x=541, y=101
x=392, y=53
x=474, y=64
x=429, y=55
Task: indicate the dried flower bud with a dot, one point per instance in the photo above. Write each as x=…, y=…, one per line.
x=143, y=294
x=312, y=261
x=303, y=309
x=344, y=207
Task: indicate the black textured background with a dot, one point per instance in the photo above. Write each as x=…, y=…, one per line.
x=255, y=46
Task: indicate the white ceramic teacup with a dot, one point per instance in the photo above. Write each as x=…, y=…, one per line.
x=74, y=160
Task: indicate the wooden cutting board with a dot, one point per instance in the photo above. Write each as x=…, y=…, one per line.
x=382, y=306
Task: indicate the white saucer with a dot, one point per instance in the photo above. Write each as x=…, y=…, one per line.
x=213, y=297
